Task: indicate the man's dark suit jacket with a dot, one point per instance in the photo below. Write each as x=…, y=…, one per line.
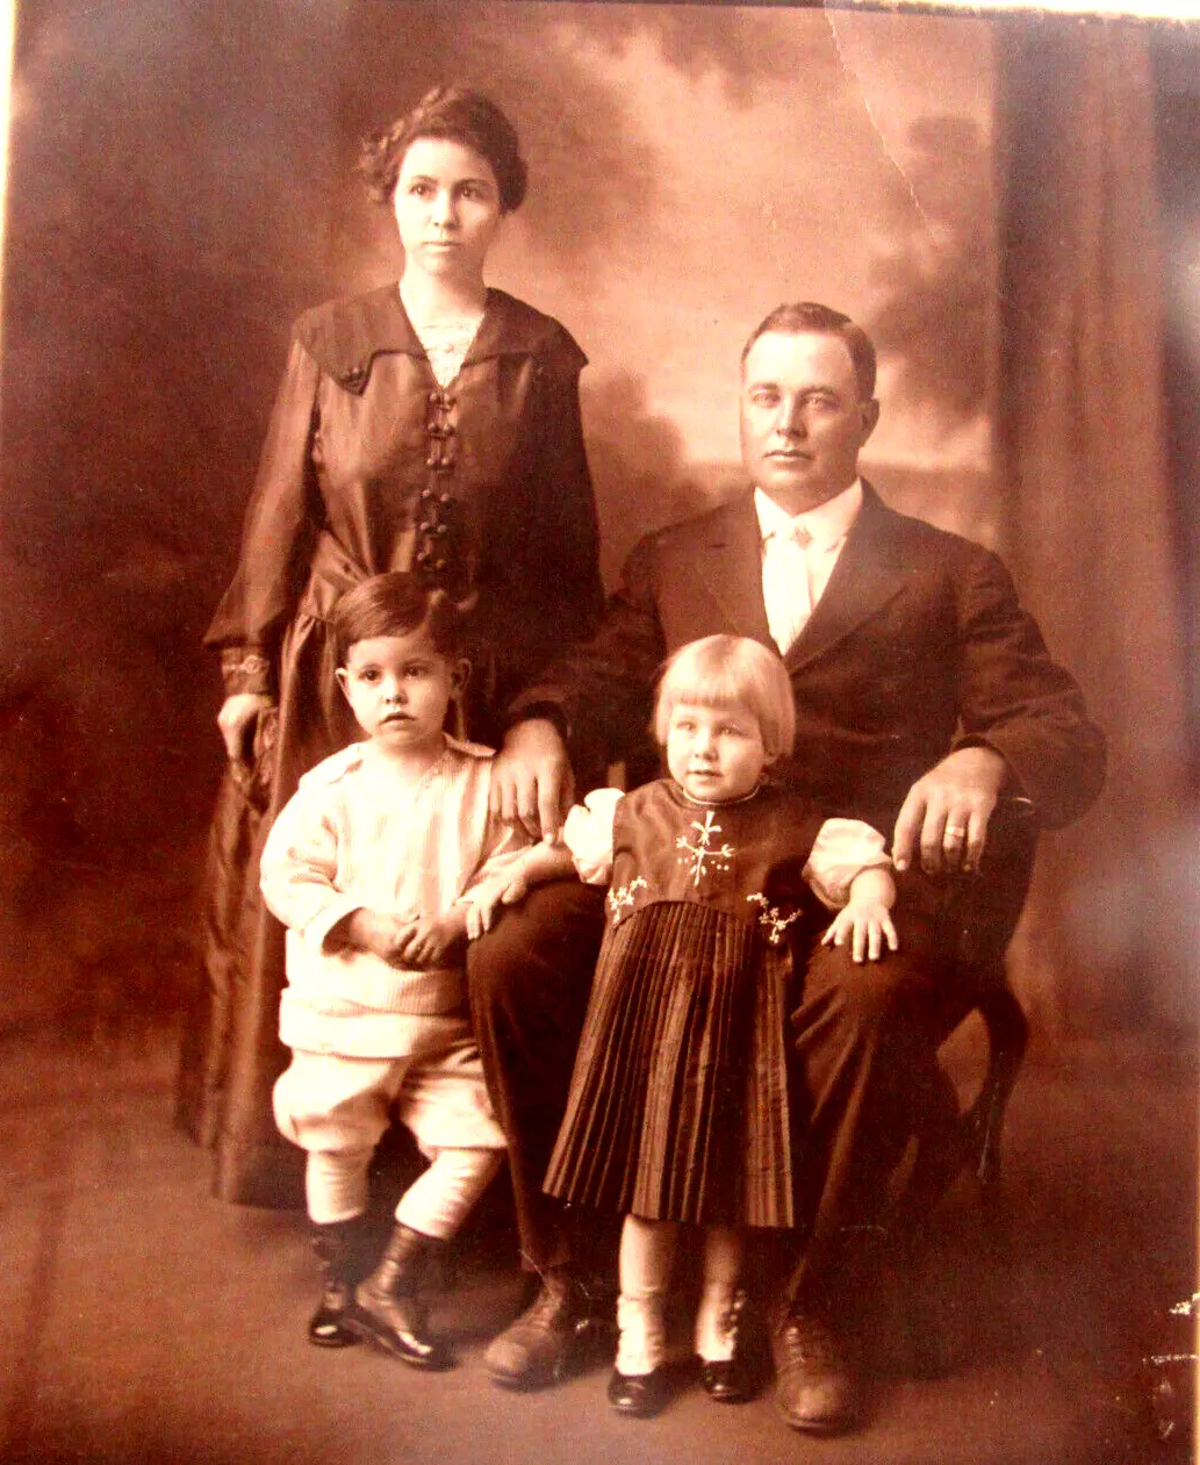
x=918, y=646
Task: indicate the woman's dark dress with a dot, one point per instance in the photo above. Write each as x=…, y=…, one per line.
x=679, y=1101
x=370, y=466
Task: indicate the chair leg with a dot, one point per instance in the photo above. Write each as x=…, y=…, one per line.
x=1008, y=1036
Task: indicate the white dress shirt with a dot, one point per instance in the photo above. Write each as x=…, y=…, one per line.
x=798, y=556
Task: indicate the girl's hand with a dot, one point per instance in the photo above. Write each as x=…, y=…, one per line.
x=486, y=900
x=237, y=719
x=864, y=927
x=865, y=922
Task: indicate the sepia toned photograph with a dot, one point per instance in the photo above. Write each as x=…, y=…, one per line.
x=599, y=734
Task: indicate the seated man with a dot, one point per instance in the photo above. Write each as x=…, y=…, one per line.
x=924, y=693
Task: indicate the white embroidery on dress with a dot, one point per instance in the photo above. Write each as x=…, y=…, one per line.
x=770, y=919
x=621, y=897
x=702, y=854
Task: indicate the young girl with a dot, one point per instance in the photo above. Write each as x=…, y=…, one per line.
x=381, y=865
x=679, y=1106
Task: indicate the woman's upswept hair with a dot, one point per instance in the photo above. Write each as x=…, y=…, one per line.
x=396, y=604
x=459, y=115
x=719, y=671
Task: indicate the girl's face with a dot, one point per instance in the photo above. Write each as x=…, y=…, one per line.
x=399, y=688
x=715, y=754
x=447, y=206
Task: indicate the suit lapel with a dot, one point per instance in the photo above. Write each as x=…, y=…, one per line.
x=869, y=572
x=730, y=568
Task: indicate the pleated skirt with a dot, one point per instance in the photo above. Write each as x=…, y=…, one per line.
x=678, y=1107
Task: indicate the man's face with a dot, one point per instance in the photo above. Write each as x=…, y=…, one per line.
x=803, y=421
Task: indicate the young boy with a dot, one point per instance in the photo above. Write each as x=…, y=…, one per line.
x=381, y=866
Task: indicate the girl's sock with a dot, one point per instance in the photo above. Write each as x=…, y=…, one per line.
x=716, y=1336
x=643, y=1342
x=647, y=1250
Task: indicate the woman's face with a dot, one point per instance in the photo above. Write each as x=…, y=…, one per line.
x=447, y=207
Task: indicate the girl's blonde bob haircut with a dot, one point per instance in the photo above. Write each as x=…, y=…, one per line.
x=721, y=671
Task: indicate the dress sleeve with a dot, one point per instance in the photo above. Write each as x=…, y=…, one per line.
x=299, y=867
x=842, y=849
x=567, y=511
x=588, y=834
x=281, y=521
x=605, y=682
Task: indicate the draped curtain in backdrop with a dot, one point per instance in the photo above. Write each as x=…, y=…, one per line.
x=1082, y=469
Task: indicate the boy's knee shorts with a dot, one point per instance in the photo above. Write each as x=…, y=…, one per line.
x=330, y=1102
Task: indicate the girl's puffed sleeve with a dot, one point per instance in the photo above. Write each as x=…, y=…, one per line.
x=281, y=521
x=842, y=849
x=588, y=834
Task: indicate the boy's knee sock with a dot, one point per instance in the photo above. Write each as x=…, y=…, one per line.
x=438, y=1201
x=335, y=1184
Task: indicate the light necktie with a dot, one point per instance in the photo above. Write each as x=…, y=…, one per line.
x=786, y=592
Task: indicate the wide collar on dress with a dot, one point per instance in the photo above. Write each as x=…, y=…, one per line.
x=345, y=336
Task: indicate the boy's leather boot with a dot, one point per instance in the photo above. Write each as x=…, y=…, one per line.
x=389, y=1311
x=339, y=1251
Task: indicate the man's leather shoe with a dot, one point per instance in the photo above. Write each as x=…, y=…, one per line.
x=638, y=1395
x=816, y=1388
x=541, y=1347
x=725, y=1381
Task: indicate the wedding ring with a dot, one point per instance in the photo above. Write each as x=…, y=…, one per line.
x=955, y=833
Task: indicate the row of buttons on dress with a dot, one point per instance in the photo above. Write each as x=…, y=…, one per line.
x=436, y=508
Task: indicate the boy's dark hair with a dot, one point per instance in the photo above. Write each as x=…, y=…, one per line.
x=397, y=604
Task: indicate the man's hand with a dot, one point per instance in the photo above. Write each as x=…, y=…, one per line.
x=947, y=811
x=237, y=719
x=531, y=782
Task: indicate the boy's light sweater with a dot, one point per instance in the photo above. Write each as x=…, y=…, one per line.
x=355, y=835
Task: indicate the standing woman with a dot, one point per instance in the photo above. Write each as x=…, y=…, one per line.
x=433, y=427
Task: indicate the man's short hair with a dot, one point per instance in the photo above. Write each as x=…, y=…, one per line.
x=805, y=317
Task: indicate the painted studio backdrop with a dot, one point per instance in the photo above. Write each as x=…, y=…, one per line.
x=181, y=188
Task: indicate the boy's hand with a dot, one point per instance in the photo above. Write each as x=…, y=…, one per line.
x=865, y=922
x=384, y=935
x=430, y=940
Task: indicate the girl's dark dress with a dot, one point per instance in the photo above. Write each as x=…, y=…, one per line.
x=679, y=1101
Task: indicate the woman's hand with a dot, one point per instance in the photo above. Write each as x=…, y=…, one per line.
x=531, y=781
x=865, y=922
x=237, y=719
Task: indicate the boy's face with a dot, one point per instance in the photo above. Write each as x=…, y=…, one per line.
x=399, y=688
